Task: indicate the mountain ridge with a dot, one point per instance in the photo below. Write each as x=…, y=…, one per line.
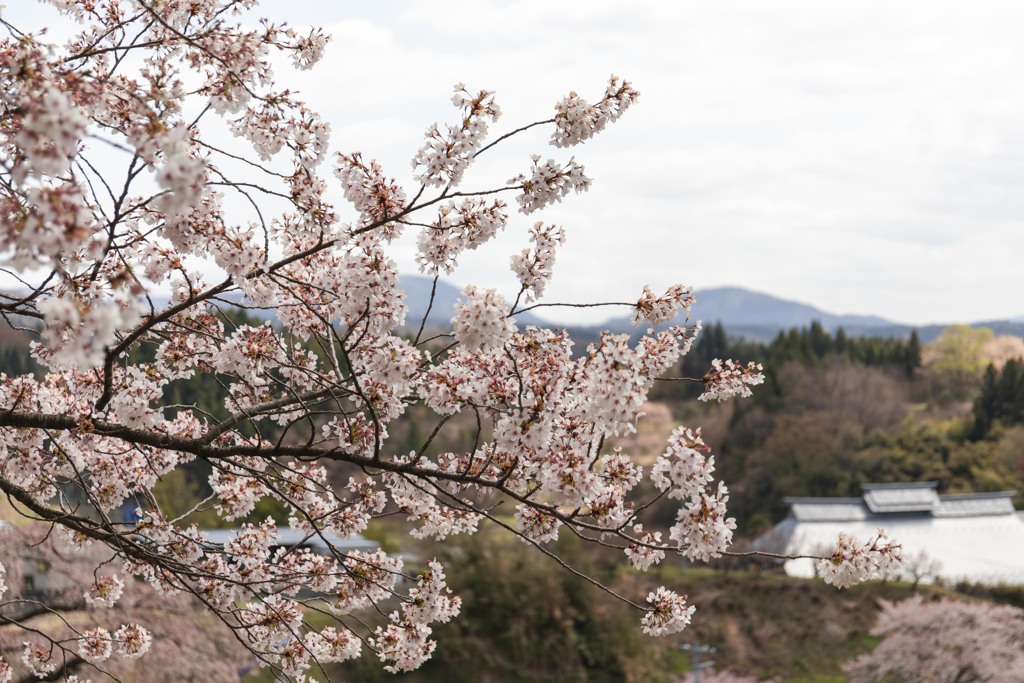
x=745, y=313
x=757, y=316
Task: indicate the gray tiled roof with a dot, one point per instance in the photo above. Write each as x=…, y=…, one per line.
x=975, y=504
x=881, y=500
x=977, y=537
x=919, y=497
x=828, y=510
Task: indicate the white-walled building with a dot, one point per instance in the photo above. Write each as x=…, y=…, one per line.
x=977, y=537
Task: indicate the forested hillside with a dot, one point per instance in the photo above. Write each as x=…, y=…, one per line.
x=836, y=412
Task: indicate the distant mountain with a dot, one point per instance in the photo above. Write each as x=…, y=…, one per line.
x=738, y=306
x=417, y=298
x=760, y=316
x=744, y=313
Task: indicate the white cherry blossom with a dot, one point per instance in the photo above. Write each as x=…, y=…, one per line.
x=482, y=322
x=729, y=378
x=285, y=302
x=668, y=613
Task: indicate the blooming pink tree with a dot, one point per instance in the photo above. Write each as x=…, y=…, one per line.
x=88, y=609
x=944, y=641
x=118, y=182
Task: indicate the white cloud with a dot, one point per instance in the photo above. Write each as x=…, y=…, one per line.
x=864, y=157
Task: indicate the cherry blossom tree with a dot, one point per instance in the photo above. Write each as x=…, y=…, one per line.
x=944, y=641
x=154, y=152
x=67, y=591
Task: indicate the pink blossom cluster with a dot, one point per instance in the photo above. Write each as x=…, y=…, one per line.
x=702, y=529
x=855, y=561
x=97, y=644
x=41, y=661
x=181, y=175
x=684, y=469
x=646, y=551
x=445, y=156
x=105, y=591
x=660, y=309
x=48, y=124
x=82, y=324
x=536, y=526
x=729, y=378
x=482, y=322
x=668, y=613
x=376, y=197
x=535, y=267
x=458, y=228
x=45, y=222
x=548, y=183
x=577, y=121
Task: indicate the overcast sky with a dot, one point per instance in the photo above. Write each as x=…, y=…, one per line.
x=863, y=157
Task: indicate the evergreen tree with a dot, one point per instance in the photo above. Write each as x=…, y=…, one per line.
x=841, y=341
x=985, y=404
x=913, y=354
x=820, y=341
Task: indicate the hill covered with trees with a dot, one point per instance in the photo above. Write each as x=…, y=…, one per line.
x=839, y=411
